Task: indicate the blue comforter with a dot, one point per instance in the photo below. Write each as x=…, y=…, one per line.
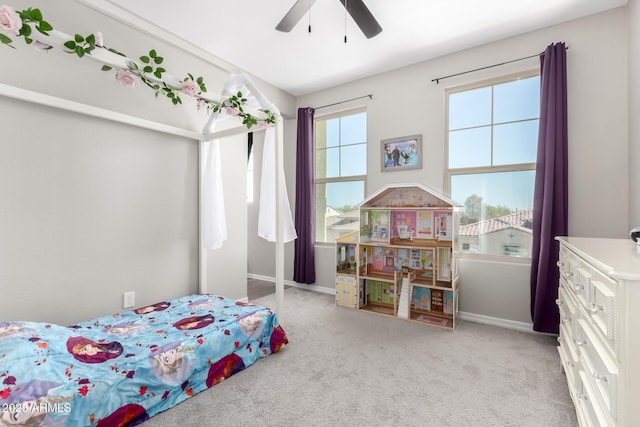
x=120, y=370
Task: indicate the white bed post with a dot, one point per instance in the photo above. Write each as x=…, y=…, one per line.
x=279, y=215
x=202, y=251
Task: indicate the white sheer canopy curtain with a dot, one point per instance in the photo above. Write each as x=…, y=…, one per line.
x=214, y=228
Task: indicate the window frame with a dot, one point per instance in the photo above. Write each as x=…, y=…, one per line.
x=331, y=180
x=515, y=167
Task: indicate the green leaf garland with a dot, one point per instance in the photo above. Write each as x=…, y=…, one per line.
x=84, y=45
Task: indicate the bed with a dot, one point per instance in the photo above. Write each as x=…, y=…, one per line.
x=122, y=369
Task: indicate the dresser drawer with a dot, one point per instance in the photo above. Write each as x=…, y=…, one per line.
x=582, y=285
x=569, y=360
x=568, y=265
x=568, y=309
x=598, y=366
x=588, y=406
x=563, y=262
x=602, y=306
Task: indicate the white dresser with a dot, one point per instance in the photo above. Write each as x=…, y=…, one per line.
x=599, y=303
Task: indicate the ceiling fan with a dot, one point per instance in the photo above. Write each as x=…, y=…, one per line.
x=356, y=8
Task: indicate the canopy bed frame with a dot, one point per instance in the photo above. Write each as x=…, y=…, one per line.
x=56, y=38
x=124, y=368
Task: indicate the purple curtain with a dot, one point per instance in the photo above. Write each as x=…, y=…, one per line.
x=550, y=192
x=304, y=269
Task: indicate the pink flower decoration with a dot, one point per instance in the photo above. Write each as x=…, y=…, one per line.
x=127, y=78
x=190, y=87
x=99, y=39
x=200, y=103
x=10, y=21
x=264, y=125
x=232, y=111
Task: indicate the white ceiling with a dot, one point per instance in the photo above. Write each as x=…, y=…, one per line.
x=243, y=33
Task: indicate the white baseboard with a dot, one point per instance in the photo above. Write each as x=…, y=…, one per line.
x=471, y=317
x=495, y=321
x=313, y=288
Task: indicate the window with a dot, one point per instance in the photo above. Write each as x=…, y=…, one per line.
x=341, y=172
x=492, y=138
x=512, y=250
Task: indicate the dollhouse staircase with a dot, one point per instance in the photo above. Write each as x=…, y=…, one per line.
x=403, y=305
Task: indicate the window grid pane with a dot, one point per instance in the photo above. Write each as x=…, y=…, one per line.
x=470, y=148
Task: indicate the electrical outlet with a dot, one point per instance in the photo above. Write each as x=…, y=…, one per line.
x=128, y=299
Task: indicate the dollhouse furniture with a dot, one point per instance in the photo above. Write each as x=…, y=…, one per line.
x=401, y=262
x=598, y=299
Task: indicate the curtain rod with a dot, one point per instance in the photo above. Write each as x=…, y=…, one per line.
x=437, y=80
x=370, y=96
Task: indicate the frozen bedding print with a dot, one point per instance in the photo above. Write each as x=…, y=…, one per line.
x=120, y=370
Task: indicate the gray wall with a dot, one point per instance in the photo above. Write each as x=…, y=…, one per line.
x=84, y=218
x=406, y=102
x=227, y=267
x=90, y=209
x=634, y=113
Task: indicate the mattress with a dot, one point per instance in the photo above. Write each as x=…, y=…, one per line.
x=122, y=369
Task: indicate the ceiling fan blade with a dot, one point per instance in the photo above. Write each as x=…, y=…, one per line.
x=294, y=15
x=363, y=17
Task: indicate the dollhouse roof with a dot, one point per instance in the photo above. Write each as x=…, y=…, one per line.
x=408, y=195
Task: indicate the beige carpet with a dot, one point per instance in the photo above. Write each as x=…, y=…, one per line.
x=349, y=368
x=259, y=288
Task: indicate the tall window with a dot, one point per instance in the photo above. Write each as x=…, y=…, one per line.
x=492, y=136
x=341, y=172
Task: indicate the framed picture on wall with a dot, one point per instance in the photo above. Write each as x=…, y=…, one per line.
x=401, y=153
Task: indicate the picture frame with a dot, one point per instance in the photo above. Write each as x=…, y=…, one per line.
x=403, y=153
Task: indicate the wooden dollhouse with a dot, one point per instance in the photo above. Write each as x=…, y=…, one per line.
x=401, y=263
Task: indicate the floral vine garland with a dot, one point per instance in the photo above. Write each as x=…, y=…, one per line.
x=16, y=23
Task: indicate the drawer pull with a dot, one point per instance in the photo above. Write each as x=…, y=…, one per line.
x=559, y=301
x=580, y=342
x=578, y=287
x=570, y=364
x=560, y=340
x=594, y=308
x=583, y=397
x=599, y=377
x=566, y=318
